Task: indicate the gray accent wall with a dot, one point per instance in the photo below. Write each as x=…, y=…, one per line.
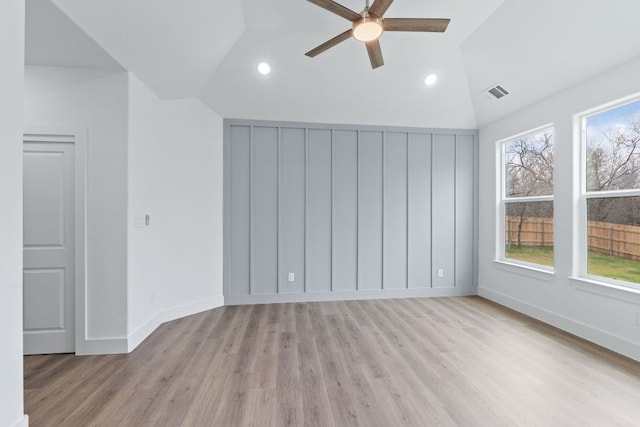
x=352, y=211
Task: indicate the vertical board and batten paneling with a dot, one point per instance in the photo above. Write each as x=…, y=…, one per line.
x=319, y=207
x=395, y=210
x=419, y=205
x=240, y=210
x=443, y=174
x=465, y=171
x=352, y=211
x=370, y=210
x=345, y=210
x=292, y=209
x=264, y=210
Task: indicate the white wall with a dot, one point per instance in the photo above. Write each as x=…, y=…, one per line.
x=11, y=87
x=175, y=176
x=148, y=156
x=602, y=315
x=97, y=101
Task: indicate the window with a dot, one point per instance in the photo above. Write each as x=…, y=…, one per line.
x=526, y=208
x=611, y=193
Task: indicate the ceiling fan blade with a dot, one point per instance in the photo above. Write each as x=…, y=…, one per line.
x=338, y=9
x=375, y=53
x=329, y=44
x=379, y=7
x=429, y=25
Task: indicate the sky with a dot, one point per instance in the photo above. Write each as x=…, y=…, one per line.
x=600, y=123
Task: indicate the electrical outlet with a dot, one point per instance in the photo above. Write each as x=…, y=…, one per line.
x=292, y=277
x=440, y=272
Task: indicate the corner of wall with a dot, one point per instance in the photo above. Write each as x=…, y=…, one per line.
x=23, y=422
x=144, y=331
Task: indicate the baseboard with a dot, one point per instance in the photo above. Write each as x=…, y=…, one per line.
x=92, y=346
x=346, y=295
x=193, y=308
x=612, y=342
x=23, y=422
x=140, y=334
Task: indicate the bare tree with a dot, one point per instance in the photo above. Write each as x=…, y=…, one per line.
x=613, y=163
x=529, y=172
x=529, y=166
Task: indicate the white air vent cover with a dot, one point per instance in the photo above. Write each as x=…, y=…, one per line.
x=496, y=91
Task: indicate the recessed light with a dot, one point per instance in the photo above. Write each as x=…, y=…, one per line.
x=264, y=68
x=430, y=79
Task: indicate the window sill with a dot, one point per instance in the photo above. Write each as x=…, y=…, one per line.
x=537, y=273
x=606, y=289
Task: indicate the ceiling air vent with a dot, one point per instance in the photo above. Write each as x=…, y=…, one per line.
x=496, y=91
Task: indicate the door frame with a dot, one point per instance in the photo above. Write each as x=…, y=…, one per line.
x=77, y=137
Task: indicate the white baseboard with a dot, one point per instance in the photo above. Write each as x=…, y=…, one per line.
x=612, y=342
x=347, y=295
x=23, y=422
x=101, y=346
x=140, y=334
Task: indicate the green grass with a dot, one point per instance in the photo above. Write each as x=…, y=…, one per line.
x=532, y=254
x=614, y=267
x=599, y=264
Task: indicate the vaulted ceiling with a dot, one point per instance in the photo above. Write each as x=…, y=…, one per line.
x=209, y=49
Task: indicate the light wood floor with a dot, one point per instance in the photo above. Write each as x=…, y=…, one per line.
x=421, y=362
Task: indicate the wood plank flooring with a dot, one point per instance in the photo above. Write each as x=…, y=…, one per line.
x=417, y=362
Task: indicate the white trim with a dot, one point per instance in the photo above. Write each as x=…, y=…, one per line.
x=605, y=339
x=629, y=99
x=535, y=271
x=90, y=346
x=349, y=295
x=22, y=422
x=611, y=290
x=527, y=133
x=139, y=335
x=78, y=137
x=632, y=192
x=548, y=198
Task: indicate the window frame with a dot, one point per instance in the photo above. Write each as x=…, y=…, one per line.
x=503, y=200
x=585, y=195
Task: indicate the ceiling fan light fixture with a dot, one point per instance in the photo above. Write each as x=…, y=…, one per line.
x=367, y=28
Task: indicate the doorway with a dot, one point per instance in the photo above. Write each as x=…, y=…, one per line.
x=53, y=230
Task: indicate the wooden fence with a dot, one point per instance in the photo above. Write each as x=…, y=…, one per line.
x=618, y=240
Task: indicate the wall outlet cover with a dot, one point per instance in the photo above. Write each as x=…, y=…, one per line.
x=139, y=221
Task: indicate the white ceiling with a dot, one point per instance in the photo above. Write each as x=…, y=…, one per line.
x=173, y=46
x=209, y=49
x=536, y=48
x=52, y=39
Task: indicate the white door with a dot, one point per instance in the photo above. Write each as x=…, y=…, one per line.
x=49, y=310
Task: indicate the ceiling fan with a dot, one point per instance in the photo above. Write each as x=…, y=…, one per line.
x=369, y=25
